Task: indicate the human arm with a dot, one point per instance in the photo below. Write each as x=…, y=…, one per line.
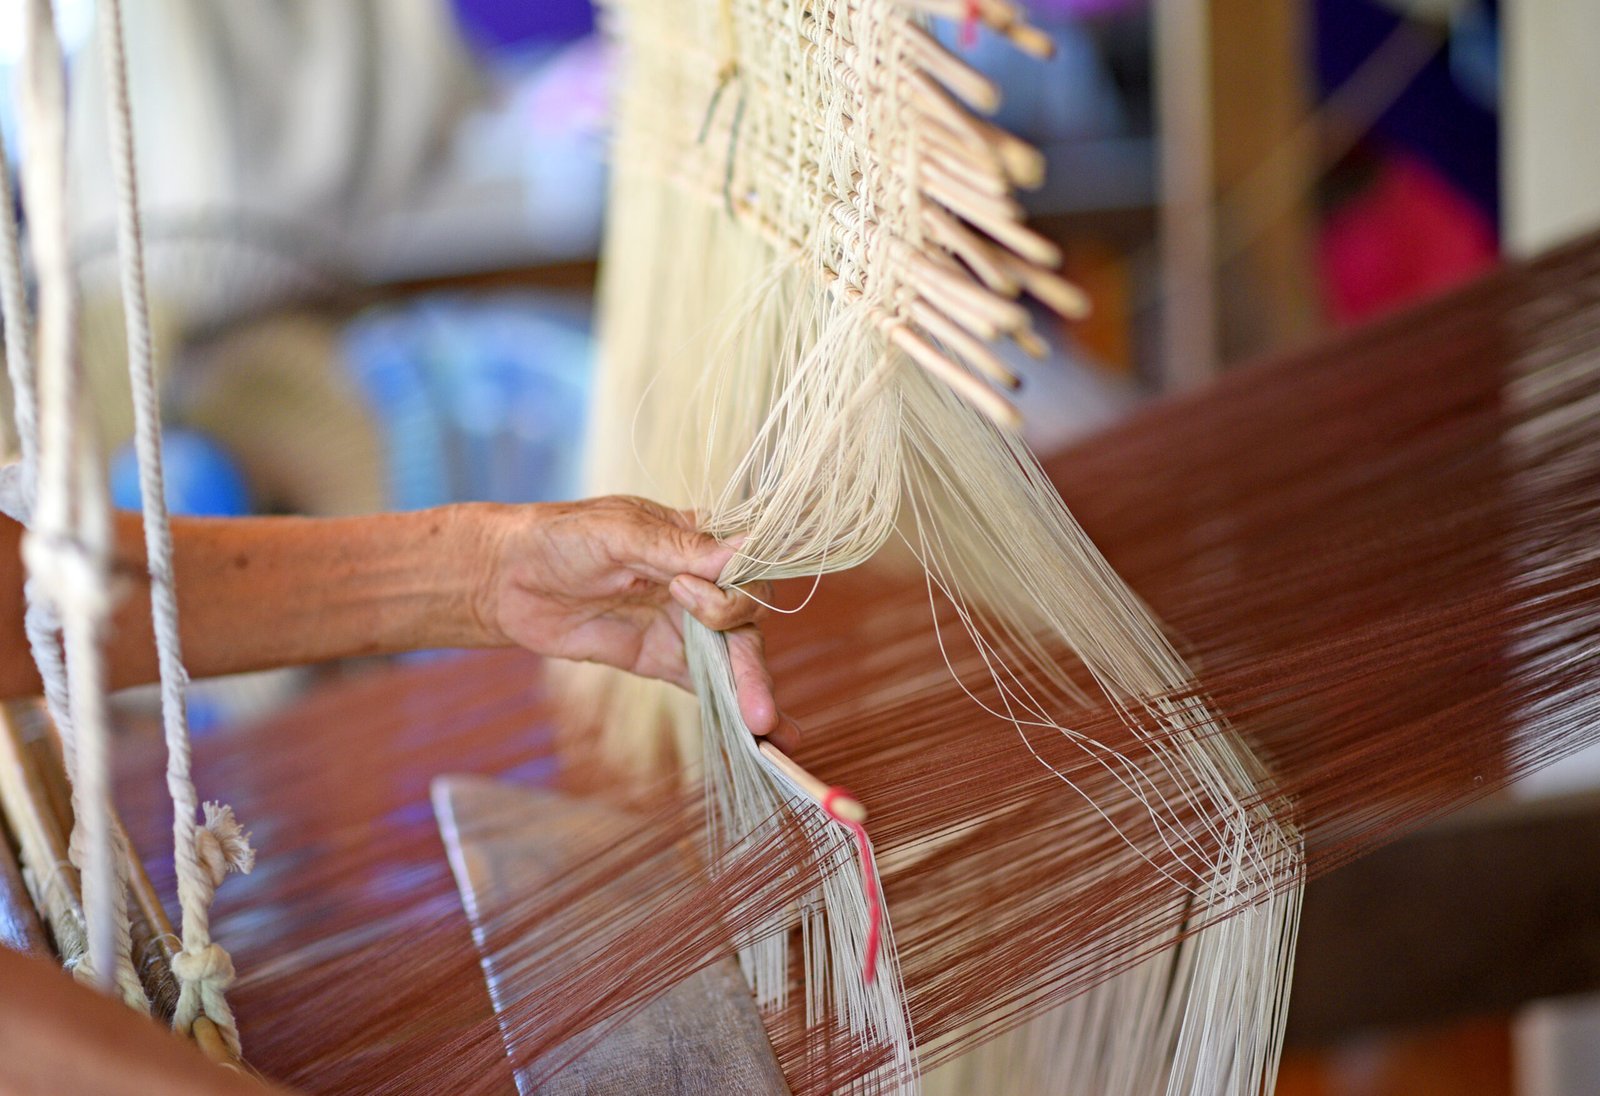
x=600, y=580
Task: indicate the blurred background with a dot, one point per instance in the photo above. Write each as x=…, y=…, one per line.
x=372, y=230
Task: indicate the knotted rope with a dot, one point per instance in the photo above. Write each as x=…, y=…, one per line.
x=203, y=854
x=67, y=549
x=57, y=490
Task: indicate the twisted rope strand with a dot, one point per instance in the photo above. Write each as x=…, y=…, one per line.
x=68, y=547
x=203, y=855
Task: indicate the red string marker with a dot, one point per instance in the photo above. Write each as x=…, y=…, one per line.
x=869, y=881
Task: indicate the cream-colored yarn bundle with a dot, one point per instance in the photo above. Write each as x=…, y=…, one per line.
x=812, y=242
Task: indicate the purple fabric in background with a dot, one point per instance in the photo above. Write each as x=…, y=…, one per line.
x=510, y=26
x=1078, y=9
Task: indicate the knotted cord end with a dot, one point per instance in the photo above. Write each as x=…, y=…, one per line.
x=223, y=845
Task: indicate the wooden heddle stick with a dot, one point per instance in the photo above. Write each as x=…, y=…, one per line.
x=846, y=810
x=830, y=798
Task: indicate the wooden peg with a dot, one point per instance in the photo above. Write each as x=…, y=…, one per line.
x=845, y=806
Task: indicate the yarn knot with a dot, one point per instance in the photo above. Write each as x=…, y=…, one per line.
x=210, y=967
x=222, y=845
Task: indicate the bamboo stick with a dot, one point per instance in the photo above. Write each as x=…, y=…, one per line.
x=1002, y=313
x=210, y=1041
x=1052, y=289
x=842, y=804
x=1031, y=344
x=973, y=351
x=51, y=879
x=981, y=256
x=1018, y=237
x=993, y=405
x=1003, y=18
x=969, y=387
x=153, y=935
x=964, y=81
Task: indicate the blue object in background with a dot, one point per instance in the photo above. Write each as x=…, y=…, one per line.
x=1435, y=117
x=202, y=479
x=498, y=26
x=480, y=399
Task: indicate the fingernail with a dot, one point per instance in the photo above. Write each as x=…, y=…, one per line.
x=683, y=593
x=787, y=735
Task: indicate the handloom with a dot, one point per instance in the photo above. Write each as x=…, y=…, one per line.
x=1379, y=558
x=814, y=240
x=1380, y=553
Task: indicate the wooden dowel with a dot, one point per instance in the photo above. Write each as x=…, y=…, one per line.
x=1018, y=237
x=973, y=351
x=845, y=806
x=993, y=405
x=1031, y=344
x=1054, y=291
x=961, y=78
x=206, y=1036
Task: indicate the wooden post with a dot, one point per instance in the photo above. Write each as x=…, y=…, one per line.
x=1186, y=232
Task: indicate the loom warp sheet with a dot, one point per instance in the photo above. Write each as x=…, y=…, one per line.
x=1379, y=556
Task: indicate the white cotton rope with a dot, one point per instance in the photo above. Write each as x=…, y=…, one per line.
x=203, y=855
x=67, y=549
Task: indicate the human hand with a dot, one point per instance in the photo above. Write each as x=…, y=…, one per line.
x=603, y=580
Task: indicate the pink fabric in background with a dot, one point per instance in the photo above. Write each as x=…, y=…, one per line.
x=1409, y=235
